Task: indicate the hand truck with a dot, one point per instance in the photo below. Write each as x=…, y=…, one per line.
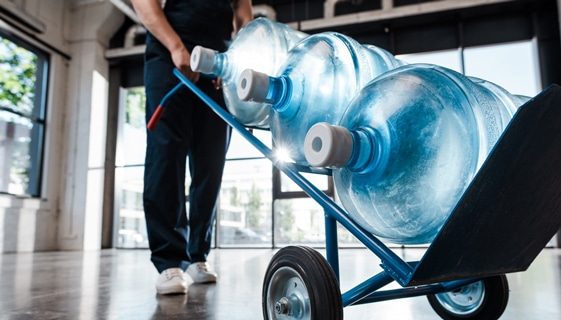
x=509, y=212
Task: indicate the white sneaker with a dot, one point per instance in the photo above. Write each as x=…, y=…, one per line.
x=171, y=281
x=199, y=272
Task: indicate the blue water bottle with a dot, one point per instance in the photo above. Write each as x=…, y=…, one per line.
x=261, y=45
x=320, y=77
x=408, y=146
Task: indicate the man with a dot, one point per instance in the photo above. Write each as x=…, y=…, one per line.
x=187, y=128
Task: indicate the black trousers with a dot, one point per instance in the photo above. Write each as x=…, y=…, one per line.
x=187, y=128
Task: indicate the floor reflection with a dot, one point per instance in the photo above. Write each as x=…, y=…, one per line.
x=170, y=305
x=197, y=303
x=120, y=285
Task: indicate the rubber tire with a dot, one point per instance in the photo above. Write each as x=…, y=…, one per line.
x=320, y=280
x=493, y=305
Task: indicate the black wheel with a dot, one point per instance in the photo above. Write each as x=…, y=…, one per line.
x=482, y=300
x=300, y=284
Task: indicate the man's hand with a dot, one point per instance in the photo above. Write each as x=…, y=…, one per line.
x=151, y=14
x=182, y=61
x=243, y=14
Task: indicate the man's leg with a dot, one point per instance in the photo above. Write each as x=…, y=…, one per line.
x=164, y=175
x=211, y=136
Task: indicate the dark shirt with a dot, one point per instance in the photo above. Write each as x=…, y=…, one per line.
x=201, y=22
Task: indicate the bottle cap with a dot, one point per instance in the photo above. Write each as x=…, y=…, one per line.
x=202, y=59
x=253, y=86
x=328, y=145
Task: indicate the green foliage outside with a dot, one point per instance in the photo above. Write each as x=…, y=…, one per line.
x=285, y=220
x=136, y=106
x=234, y=197
x=253, y=206
x=18, y=68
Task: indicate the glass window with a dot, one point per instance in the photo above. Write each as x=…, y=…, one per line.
x=320, y=181
x=132, y=145
x=299, y=221
x=131, y=223
x=513, y=66
x=346, y=239
x=241, y=148
x=302, y=221
x=245, y=204
x=23, y=71
x=450, y=59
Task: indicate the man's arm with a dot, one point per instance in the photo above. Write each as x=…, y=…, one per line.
x=152, y=16
x=242, y=14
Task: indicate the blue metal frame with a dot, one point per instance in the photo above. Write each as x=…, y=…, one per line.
x=394, y=267
x=331, y=246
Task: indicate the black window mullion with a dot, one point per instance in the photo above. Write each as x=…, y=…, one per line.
x=41, y=82
x=35, y=154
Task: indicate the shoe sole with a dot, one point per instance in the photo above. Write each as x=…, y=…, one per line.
x=202, y=280
x=205, y=281
x=172, y=290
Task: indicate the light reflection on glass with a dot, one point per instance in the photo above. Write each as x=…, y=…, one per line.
x=282, y=154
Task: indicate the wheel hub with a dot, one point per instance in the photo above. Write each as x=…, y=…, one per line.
x=287, y=296
x=282, y=306
x=464, y=300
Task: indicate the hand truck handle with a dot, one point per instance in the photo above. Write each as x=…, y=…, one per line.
x=160, y=109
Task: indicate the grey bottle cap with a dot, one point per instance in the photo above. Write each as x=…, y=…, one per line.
x=202, y=59
x=253, y=86
x=328, y=145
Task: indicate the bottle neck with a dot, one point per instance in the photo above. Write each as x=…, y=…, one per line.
x=221, y=66
x=279, y=90
x=367, y=152
x=279, y=94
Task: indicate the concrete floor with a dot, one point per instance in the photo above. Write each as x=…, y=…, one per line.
x=119, y=284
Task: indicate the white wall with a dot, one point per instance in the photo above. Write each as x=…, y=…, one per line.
x=68, y=214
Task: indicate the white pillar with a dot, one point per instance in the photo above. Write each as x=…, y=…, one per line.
x=90, y=26
x=387, y=4
x=329, y=8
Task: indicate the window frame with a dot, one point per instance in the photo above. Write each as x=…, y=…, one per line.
x=38, y=116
